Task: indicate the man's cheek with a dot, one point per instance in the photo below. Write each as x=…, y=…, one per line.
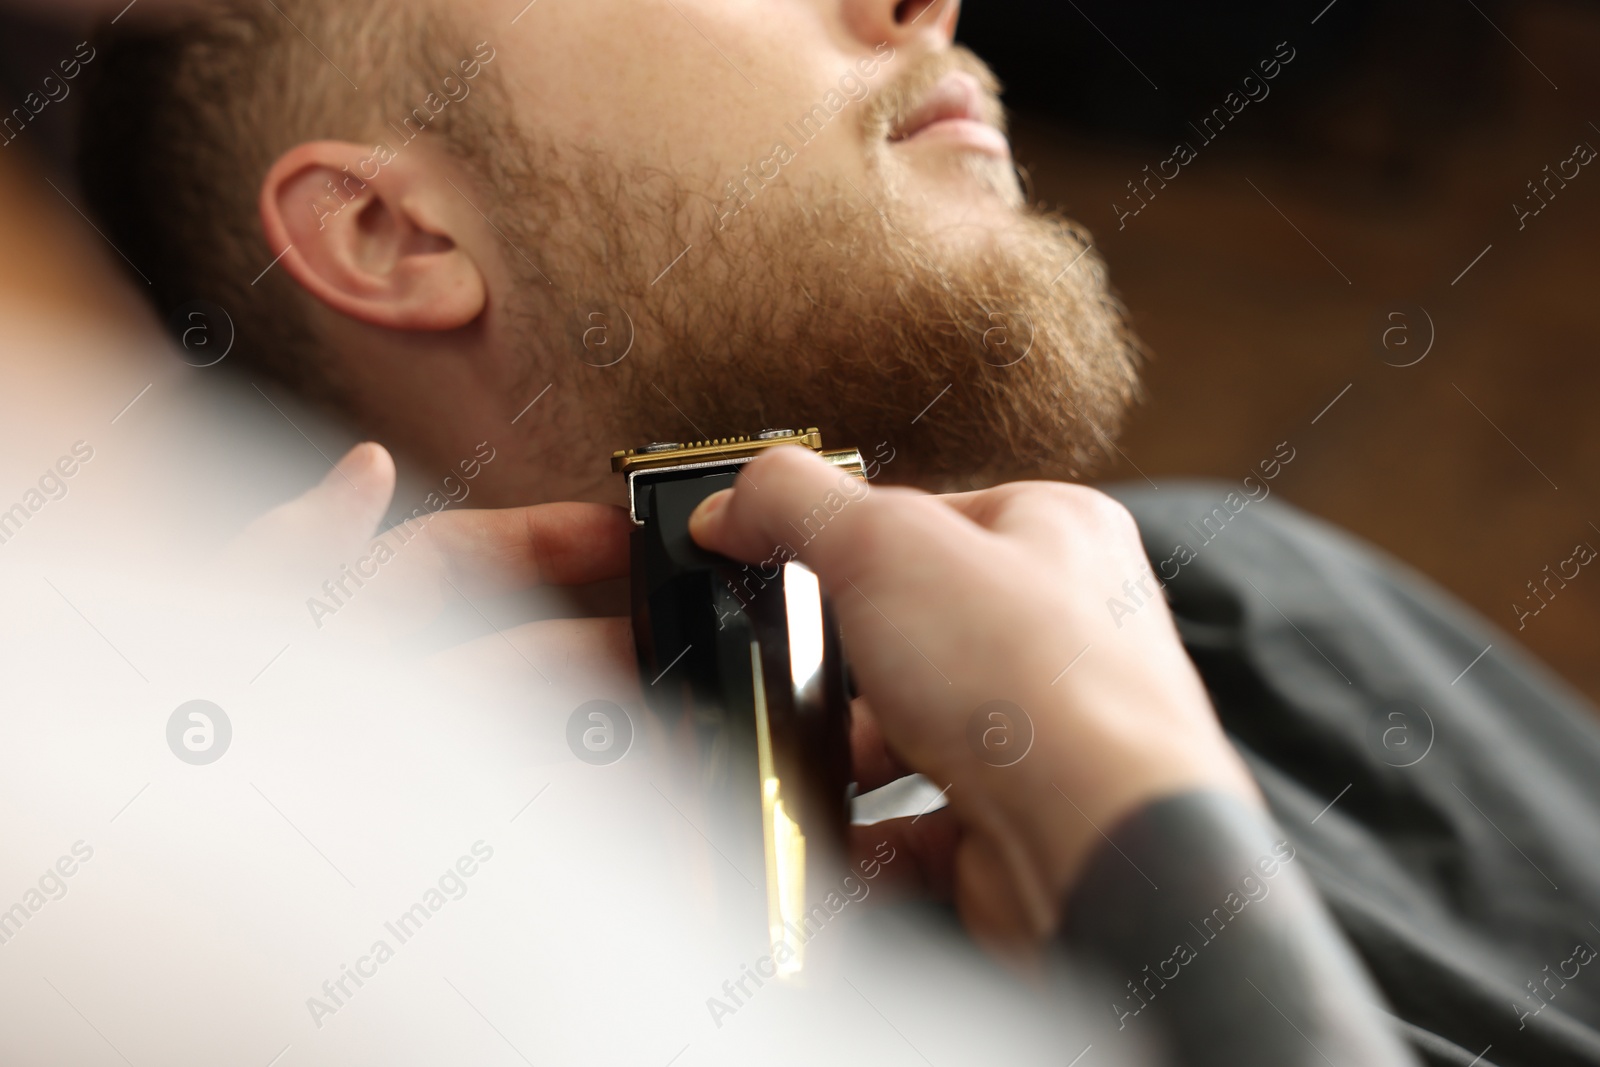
x=853, y=87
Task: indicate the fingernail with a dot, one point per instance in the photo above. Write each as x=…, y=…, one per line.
x=704, y=516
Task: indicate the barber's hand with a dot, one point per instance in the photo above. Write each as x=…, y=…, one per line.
x=950, y=602
x=441, y=560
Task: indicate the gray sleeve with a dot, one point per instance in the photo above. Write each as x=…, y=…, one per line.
x=1209, y=939
x=1438, y=783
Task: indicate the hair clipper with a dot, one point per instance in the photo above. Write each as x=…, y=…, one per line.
x=747, y=662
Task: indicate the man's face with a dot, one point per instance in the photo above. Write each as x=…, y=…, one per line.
x=727, y=215
x=706, y=89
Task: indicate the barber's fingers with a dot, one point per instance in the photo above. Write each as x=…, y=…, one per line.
x=1038, y=512
x=595, y=655
x=913, y=856
x=748, y=521
x=931, y=856
x=358, y=489
x=790, y=495
x=598, y=650
x=986, y=507
x=350, y=500
x=790, y=503
x=483, y=551
x=332, y=519
x=872, y=764
x=516, y=548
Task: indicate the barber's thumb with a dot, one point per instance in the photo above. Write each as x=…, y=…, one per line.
x=749, y=521
x=333, y=518
x=354, y=495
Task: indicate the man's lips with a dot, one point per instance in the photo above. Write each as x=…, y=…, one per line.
x=955, y=109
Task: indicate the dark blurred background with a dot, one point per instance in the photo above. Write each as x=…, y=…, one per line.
x=1387, y=157
x=1376, y=178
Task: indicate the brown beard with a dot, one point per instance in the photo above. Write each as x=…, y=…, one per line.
x=835, y=306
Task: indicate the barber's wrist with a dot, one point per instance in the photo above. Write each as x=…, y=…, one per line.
x=1048, y=816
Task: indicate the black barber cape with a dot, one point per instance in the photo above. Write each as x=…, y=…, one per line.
x=1440, y=788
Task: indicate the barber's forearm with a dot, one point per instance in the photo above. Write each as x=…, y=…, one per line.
x=1208, y=936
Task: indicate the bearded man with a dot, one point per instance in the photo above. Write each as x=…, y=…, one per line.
x=594, y=225
x=821, y=225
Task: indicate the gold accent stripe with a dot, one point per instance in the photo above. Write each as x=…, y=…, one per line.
x=785, y=844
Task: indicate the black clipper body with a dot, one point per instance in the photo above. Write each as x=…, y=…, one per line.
x=746, y=661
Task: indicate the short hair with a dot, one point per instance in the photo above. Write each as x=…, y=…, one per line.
x=185, y=117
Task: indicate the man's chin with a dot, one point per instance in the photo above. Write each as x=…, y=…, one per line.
x=950, y=187
x=975, y=347
x=928, y=317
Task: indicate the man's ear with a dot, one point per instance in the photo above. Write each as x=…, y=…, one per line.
x=372, y=238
